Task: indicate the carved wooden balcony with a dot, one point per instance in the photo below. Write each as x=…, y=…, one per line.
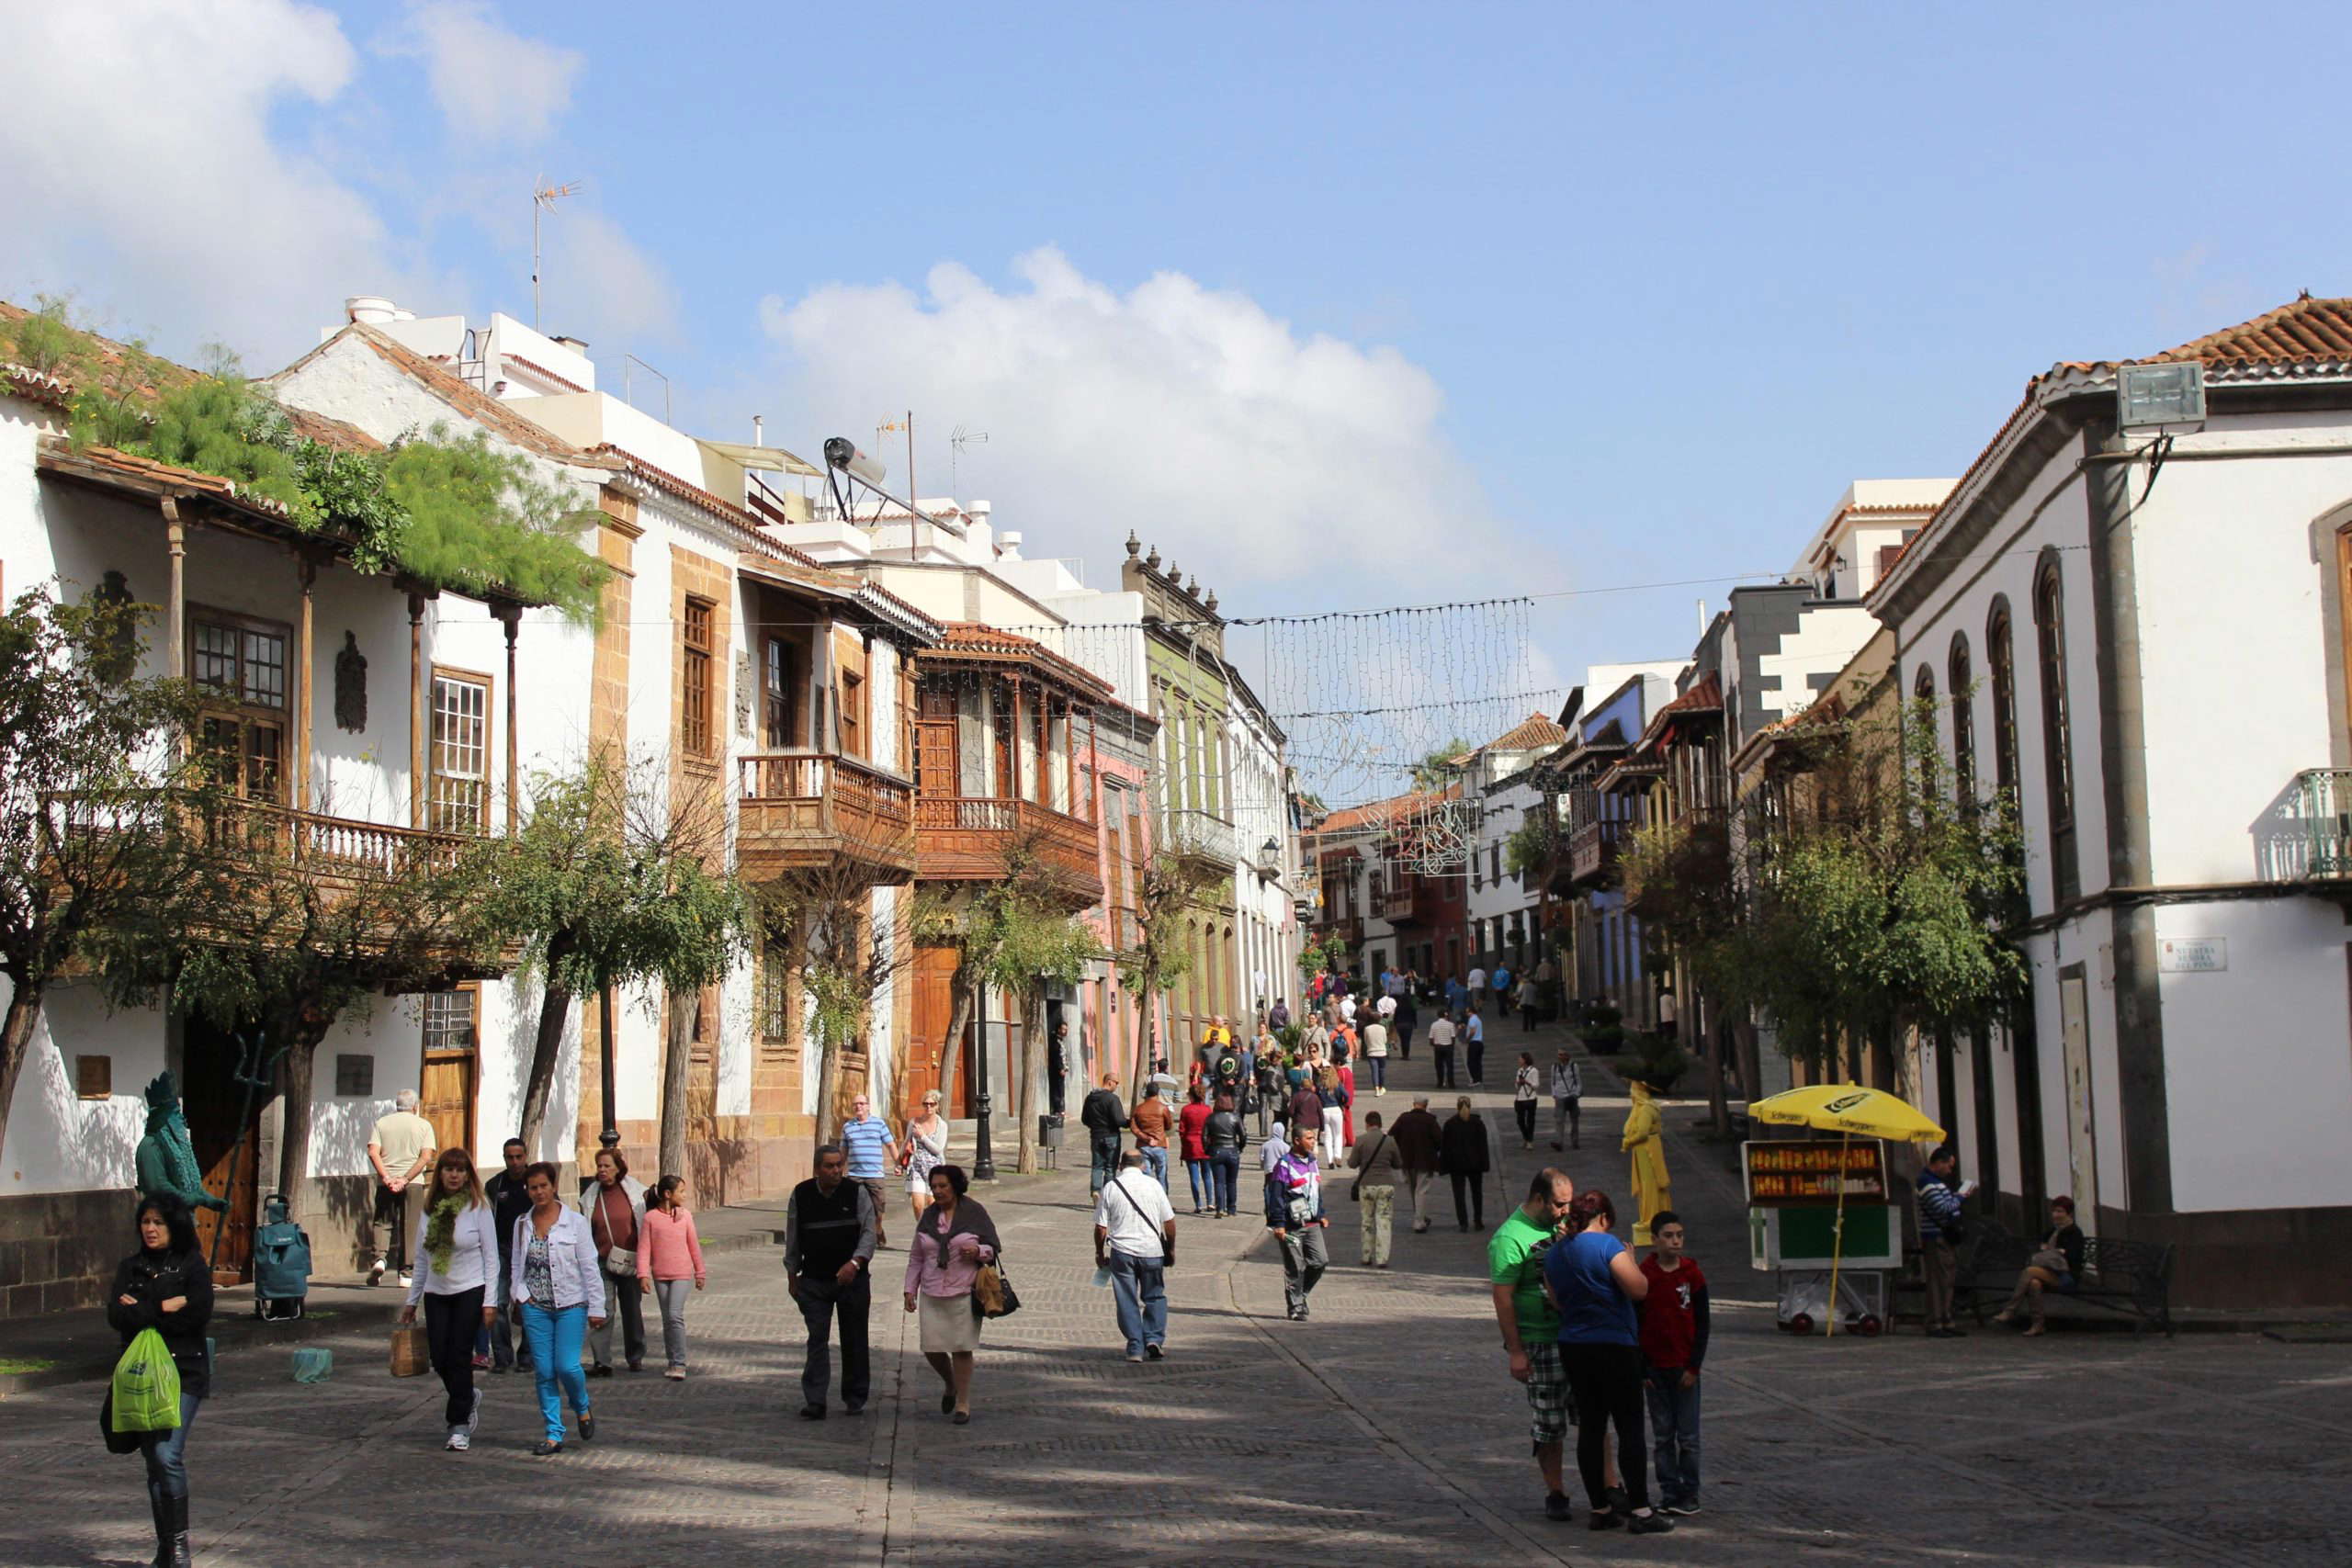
x=808, y=811
x=972, y=839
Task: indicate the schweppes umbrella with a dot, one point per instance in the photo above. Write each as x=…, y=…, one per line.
x=1847, y=1109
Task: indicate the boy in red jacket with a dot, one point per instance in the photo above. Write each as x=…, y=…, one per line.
x=1674, y=1341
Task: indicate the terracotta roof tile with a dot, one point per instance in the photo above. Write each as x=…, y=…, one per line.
x=462, y=397
x=2304, y=330
x=1535, y=730
x=60, y=456
x=34, y=387
x=970, y=638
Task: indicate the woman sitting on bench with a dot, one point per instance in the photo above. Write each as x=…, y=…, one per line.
x=2056, y=1265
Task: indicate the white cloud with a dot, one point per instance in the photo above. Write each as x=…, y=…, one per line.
x=489, y=83
x=1250, y=454
x=139, y=170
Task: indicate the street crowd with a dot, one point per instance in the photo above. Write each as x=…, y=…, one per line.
x=507, y=1275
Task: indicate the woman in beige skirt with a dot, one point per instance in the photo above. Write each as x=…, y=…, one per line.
x=953, y=1237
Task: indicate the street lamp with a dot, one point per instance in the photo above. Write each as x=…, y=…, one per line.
x=611, y=1136
x=983, y=1162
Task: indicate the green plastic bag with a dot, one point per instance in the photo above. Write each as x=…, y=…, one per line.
x=146, y=1386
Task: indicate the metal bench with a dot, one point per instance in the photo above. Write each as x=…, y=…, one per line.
x=2133, y=1278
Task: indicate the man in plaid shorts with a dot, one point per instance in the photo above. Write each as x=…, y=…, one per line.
x=1530, y=1325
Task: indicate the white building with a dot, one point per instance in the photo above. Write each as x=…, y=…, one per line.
x=2142, y=633
x=732, y=666
x=1506, y=906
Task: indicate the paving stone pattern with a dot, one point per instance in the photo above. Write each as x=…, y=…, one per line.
x=1383, y=1431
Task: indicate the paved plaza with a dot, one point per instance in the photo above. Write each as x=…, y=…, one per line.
x=1383, y=1431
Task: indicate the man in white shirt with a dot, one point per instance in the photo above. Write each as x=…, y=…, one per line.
x=1348, y=1007
x=1376, y=1054
x=1476, y=981
x=1441, y=1043
x=1135, y=1239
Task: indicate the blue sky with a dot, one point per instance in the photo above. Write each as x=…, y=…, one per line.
x=1472, y=300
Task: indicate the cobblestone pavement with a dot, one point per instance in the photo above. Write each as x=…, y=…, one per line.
x=1384, y=1431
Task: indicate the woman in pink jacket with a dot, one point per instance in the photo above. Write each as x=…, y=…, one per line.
x=668, y=1255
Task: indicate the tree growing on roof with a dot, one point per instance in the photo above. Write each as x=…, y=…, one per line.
x=99, y=797
x=1438, y=763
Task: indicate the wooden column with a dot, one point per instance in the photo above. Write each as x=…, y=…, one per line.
x=308, y=569
x=1013, y=751
x=511, y=616
x=416, y=719
x=176, y=541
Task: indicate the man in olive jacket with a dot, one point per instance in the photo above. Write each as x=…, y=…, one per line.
x=1416, y=1136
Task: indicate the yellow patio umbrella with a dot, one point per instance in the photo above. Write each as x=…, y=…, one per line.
x=1847, y=1109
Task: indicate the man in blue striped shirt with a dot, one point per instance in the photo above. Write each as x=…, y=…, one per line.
x=866, y=1138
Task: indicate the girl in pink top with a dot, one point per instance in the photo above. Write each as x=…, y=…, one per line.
x=668, y=1254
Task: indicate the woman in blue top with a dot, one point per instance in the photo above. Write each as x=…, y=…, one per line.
x=1595, y=1283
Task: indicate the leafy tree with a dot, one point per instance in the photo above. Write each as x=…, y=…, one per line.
x=1437, y=764
x=1531, y=845
x=609, y=884
x=1013, y=933
x=1168, y=887
x=90, y=759
x=817, y=923
x=277, y=929
x=1863, y=901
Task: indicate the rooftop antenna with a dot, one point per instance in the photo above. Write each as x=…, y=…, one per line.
x=543, y=200
x=962, y=437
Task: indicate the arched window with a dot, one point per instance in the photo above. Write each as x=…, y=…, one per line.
x=1963, y=719
x=2002, y=662
x=1923, y=686
x=2057, y=730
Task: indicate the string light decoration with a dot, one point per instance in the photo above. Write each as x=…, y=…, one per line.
x=1371, y=697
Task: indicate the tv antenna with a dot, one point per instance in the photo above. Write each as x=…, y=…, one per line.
x=963, y=437
x=543, y=200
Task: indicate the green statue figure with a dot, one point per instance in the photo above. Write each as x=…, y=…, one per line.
x=166, y=1157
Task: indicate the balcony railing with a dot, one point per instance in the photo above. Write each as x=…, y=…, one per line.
x=804, y=808
x=1201, y=835
x=971, y=839
x=339, y=847
x=1592, y=848
x=2309, y=835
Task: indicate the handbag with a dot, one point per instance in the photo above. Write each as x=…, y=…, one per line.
x=2050, y=1257
x=993, y=1291
x=621, y=1263
x=1355, y=1188
x=411, y=1354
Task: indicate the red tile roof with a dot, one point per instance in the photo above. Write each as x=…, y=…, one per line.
x=34, y=387
x=108, y=465
x=1534, y=730
x=2305, y=329
x=463, y=398
x=970, y=640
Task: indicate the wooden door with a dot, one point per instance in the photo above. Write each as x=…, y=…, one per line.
x=445, y=1091
x=219, y=1106
x=934, y=977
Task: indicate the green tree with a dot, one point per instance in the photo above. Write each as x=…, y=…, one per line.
x=278, y=929
x=609, y=884
x=95, y=782
x=1436, y=765
x=1870, y=906
x=1168, y=889
x=1013, y=933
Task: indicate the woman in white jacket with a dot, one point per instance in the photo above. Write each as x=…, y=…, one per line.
x=557, y=1282
x=457, y=1258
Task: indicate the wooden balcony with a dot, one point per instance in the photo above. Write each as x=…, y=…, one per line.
x=970, y=839
x=1592, y=851
x=805, y=810
x=337, y=849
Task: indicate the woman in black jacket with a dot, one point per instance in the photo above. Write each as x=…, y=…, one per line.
x=167, y=1286
x=1461, y=1155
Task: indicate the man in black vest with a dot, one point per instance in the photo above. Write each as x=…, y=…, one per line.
x=830, y=1232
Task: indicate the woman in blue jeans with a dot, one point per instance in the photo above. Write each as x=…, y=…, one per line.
x=166, y=1285
x=559, y=1283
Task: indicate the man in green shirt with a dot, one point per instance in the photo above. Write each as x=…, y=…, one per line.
x=1531, y=1326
